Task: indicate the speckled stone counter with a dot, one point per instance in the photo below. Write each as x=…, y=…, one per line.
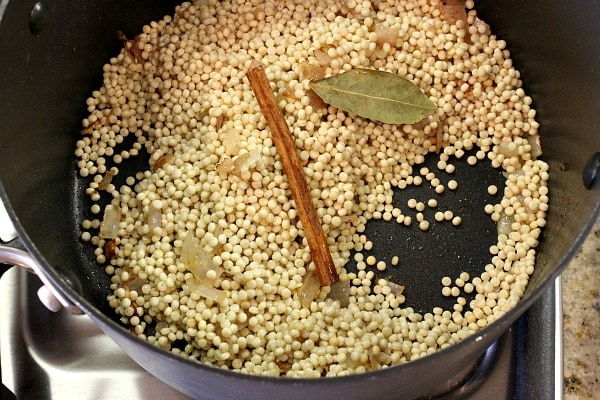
x=581, y=307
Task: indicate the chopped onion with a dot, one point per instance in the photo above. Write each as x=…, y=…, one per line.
x=516, y=173
x=220, y=122
x=205, y=273
x=154, y=218
x=340, y=291
x=480, y=23
x=202, y=263
x=312, y=72
x=225, y=166
x=107, y=178
x=536, y=146
x=204, y=269
x=110, y=222
x=199, y=262
x=315, y=100
x=244, y=162
x=453, y=13
x=136, y=285
x=309, y=290
x=396, y=289
x=425, y=122
x=188, y=249
x=322, y=57
x=207, y=291
x=505, y=224
x=231, y=140
x=508, y=148
x=387, y=35
x=255, y=156
x=239, y=165
x=160, y=162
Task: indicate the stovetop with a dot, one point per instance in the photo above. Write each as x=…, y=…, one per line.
x=47, y=355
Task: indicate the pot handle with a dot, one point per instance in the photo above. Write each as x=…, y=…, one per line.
x=50, y=297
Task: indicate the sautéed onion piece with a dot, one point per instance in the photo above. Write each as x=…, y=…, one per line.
x=309, y=290
x=536, y=146
x=505, y=224
x=154, y=218
x=340, y=291
x=110, y=222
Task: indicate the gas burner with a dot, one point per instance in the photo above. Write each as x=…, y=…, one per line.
x=48, y=355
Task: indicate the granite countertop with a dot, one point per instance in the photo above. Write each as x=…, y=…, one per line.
x=581, y=319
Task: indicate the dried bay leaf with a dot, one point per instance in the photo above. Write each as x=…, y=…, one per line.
x=378, y=95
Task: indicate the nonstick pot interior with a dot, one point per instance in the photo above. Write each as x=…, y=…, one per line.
x=50, y=56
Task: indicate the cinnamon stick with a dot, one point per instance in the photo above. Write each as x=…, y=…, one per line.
x=292, y=166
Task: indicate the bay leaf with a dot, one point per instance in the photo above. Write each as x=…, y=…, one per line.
x=377, y=95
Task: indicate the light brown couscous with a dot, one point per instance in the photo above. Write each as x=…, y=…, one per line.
x=216, y=188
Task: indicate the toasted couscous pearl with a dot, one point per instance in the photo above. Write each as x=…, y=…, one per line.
x=185, y=101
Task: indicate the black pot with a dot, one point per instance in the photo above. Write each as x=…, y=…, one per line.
x=50, y=56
